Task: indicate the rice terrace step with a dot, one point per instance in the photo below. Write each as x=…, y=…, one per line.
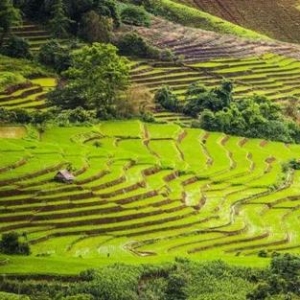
x=196, y=204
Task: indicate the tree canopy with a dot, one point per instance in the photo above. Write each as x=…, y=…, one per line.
x=216, y=110
x=9, y=15
x=68, y=14
x=95, y=79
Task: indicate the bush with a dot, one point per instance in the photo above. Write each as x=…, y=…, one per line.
x=66, y=98
x=147, y=117
x=7, y=79
x=167, y=55
x=56, y=56
x=9, y=296
x=294, y=164
x=139, y=98
x=95, y=28
x=262, y=253
x=79, y=297
x=10, y=244
x=22, y=116
x=135, y=15
x=134, y=45
x=16, y=47
x=167, y=99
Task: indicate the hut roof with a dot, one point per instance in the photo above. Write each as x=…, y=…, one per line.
x=67, y=175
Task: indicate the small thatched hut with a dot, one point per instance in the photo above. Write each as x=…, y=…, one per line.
x=64, y=176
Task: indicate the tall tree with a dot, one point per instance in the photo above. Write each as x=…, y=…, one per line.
x=108, y=8
x=9, y=16
x=59, y=22
x=95, y=28
x=96, y=77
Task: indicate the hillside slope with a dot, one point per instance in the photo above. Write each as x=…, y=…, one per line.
x=276, y=18
x=201, y=195
x=269, y=68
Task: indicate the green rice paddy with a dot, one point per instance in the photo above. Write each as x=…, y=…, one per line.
x=272, y=75
x=145, y=193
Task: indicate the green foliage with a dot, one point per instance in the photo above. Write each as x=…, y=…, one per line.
x=95, y=79
x=165, y=97
x=95, y=28
x=108, y=8
x=133, y=44
x=74, y=116
x=65, y=16
x=10, y=244
x=16, y=47
x=293, y=164
x=68, y=97
x=145, y=3
x=116, y=282
x=198, y=98
x=59, y=117
x=282, y=280
x=55, y=55
x=79, y=297
x=255, y=117
x=135, y=15
x=21, y=67
x=59, y=22
x=153, y=288
x=177, y=283
x=147, y=117
x=8, y=79
x=9, y=16
x=180, y=280
x=9, y=296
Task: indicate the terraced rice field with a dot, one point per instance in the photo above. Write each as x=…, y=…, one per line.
x=30, y=95
x=35, y=34
x=148, y=191
x=267, y=68
x=275, y=76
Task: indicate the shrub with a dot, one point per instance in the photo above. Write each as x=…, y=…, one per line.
x=8, y=79
x=147, y=117
x=139, y=98
x=9, y=296
x=95, y=28
x=6, y=116
x=10, y=244
x=79, y=297
x=262, y=253
x=165, y=97
x=60, y=22
x=294, y=164
x=54, y=55
x=41, y=117
x=66, y=98
x=134, y=45
x=22, y=116
x=135, y=15
x=57, y=56
x=167, y=55
x=16, y=47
